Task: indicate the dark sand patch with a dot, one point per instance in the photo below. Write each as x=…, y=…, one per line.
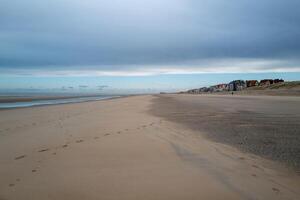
x=43, y=150
x=266, y=126
x=20, y=157
x=275, y=189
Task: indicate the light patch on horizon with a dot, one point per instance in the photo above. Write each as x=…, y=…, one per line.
x=222, y=66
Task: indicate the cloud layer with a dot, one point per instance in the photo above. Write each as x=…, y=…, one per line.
x=142, y=37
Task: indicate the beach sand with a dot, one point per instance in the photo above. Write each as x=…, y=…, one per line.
x=264, y=125
x=126, y=149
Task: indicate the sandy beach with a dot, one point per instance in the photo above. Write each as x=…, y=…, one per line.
x=150, y=147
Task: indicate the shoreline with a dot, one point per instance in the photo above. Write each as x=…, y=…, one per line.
x=62, y=103
x=29, y=98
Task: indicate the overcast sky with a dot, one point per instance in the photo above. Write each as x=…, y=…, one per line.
x=144, y=37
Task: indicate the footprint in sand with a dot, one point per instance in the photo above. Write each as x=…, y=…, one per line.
x=255, y=166
x=64, y=146
x=11, y=185
x=119, y=132
x=96, y=138
x=18, y=180
x=254, y=175
x=20, y=157
x=34, y=170
x=43, y=150
x=275, y=190
x=241, y=158
x=106, y=134
x=54, y=153
x=79, y=141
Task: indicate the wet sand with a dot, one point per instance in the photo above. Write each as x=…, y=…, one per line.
x=117, y=149
x=13, y=99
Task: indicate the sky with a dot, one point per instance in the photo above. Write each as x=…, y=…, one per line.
x=146, y=44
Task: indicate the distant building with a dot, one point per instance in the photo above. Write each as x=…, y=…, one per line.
x=219, y=87
x=266, y=82
x=278, y=81
x=237, y=85
x=203, y=89
x=200, y=90
x=222, y=87
x=193, y=91
x=211, y=89
x=270, y=81
x=251, y=83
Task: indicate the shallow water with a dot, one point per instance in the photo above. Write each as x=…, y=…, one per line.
x=53, y=101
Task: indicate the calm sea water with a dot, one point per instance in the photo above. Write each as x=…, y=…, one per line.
x=53, y=101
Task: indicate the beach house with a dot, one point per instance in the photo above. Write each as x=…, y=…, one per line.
x=251, y=83
x=266, y=82
x=237, y=85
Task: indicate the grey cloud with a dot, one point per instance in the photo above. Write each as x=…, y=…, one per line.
x=128, y=34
